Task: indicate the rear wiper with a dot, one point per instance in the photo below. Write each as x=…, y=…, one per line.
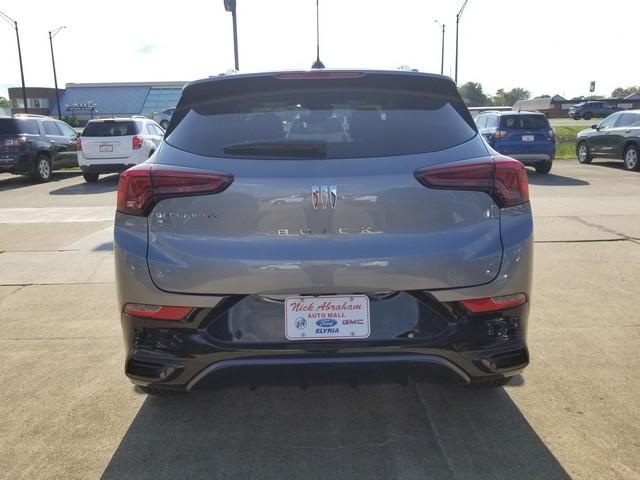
x=284, y=148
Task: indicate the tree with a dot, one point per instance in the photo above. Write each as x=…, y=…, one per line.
x=623, y=92
x=473, y=96
x=512, y=96
x=4, y=102
x=544, y=96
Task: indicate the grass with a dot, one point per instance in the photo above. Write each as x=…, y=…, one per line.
x=566, y=140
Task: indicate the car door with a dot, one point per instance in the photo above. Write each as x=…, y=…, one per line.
x=69, y=154
x=618, y=134
x=599, y=141
x=57, y=142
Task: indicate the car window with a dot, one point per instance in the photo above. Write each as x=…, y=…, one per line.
x=481, y=121
x=371, y=117
x=492, y=121
x=50, y=128
x=636, y=121
x=150, y=129
x=610, y=121
x=111, y=128
x=159, y=130
x=67, y=131
x=14, y=126
x=524, y=122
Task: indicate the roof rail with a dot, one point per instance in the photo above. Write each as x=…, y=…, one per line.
x=30, y=115
x=138, y=116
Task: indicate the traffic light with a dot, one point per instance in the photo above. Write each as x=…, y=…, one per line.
x=592, y=86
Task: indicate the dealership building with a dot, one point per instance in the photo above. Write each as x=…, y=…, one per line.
x=87, y=100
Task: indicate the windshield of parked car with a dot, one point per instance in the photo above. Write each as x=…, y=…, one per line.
x=113, y=128
x=524, y=122
x=357, y=119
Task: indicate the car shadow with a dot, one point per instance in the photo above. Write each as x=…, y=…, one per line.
x=108, y=183
x=619, y=165
x=553, y=180
x=14, y=182
x=371, y=432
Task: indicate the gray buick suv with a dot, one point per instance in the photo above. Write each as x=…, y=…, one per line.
x=334, y=220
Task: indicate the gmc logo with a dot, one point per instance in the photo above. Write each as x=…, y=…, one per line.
x=353, y=322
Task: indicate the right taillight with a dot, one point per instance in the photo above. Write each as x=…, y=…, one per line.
x=141, y=187
x=78, y=144
x=494, y=304
x=503, y=178
x=136, y=142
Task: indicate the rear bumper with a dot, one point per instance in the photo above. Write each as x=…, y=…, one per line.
x=467, y=349
x=105, y=168
x=532, y=159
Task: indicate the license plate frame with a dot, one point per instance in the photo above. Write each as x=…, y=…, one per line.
x=106, y=148
x=528, y=138
x=327, y=317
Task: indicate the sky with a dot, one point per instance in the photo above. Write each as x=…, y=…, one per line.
x=545, y=46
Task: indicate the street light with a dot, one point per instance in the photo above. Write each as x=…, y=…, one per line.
x=230, y=6
x=442, y=56
x=457, y=22
x=15, y=25
x=53, y=61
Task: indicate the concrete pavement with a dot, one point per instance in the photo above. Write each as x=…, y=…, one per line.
x=68, y=412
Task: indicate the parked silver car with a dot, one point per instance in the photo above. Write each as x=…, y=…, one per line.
x=164, y=117
x=408, y=245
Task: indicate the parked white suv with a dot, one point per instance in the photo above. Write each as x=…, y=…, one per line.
x=109, y=145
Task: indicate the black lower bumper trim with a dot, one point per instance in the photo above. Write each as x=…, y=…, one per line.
x=351, y=361
x=105, y=168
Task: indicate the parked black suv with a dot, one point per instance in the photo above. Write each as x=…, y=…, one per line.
x=588, y=110
x=36, y=145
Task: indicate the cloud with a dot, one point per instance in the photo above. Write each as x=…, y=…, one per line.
x=146, y=48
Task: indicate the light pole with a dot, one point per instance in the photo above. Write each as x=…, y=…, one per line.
x=15, y=25
x=442, y=55
x=318, y=63
x=457, y=25
x=53, y=61
x=230, y=6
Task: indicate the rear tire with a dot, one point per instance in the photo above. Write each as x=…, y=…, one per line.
x=582, y=151
x=631, y=160
x=91, y=177
x=42, y=169
x=160, y=392
x=576, y=117
x=588, y=116
x=164, y=124
x=544, y=168
x=495, y=383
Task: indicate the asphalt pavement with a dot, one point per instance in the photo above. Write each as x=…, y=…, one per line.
x=68, y=412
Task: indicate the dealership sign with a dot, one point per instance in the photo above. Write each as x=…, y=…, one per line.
x=81, y=107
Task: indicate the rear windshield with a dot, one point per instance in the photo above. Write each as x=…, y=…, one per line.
x=14, y=126
x=524, y=122
x=363, y=117
x=117, y=128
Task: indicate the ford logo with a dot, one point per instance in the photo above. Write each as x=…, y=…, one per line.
x=326, y=322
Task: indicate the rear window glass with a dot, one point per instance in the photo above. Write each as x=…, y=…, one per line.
x=361, y=121
x=528, y=122
x=14, y=126
x=110, y=129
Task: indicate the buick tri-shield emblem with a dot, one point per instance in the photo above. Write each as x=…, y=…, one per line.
x=324, y=196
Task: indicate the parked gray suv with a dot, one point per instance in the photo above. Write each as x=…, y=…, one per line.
x=589, y=110
x=405, y=242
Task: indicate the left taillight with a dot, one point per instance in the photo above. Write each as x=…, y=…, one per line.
x=136, y=142
x=157, y=312
x=78, y=144
x=503, y=178
x=143, y=186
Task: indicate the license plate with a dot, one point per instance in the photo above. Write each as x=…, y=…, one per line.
x=327, y=317
x=106, y=148
x=528, y=138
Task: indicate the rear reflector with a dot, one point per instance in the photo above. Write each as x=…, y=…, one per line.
x=492, y=304
x=317, y=74
x=503, y=178
x=157, y=312
x=141, y=187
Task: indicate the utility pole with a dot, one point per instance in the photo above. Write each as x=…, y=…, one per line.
x=457, y=26
x=53, y=61
x=442, y=55
x=24, y=89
